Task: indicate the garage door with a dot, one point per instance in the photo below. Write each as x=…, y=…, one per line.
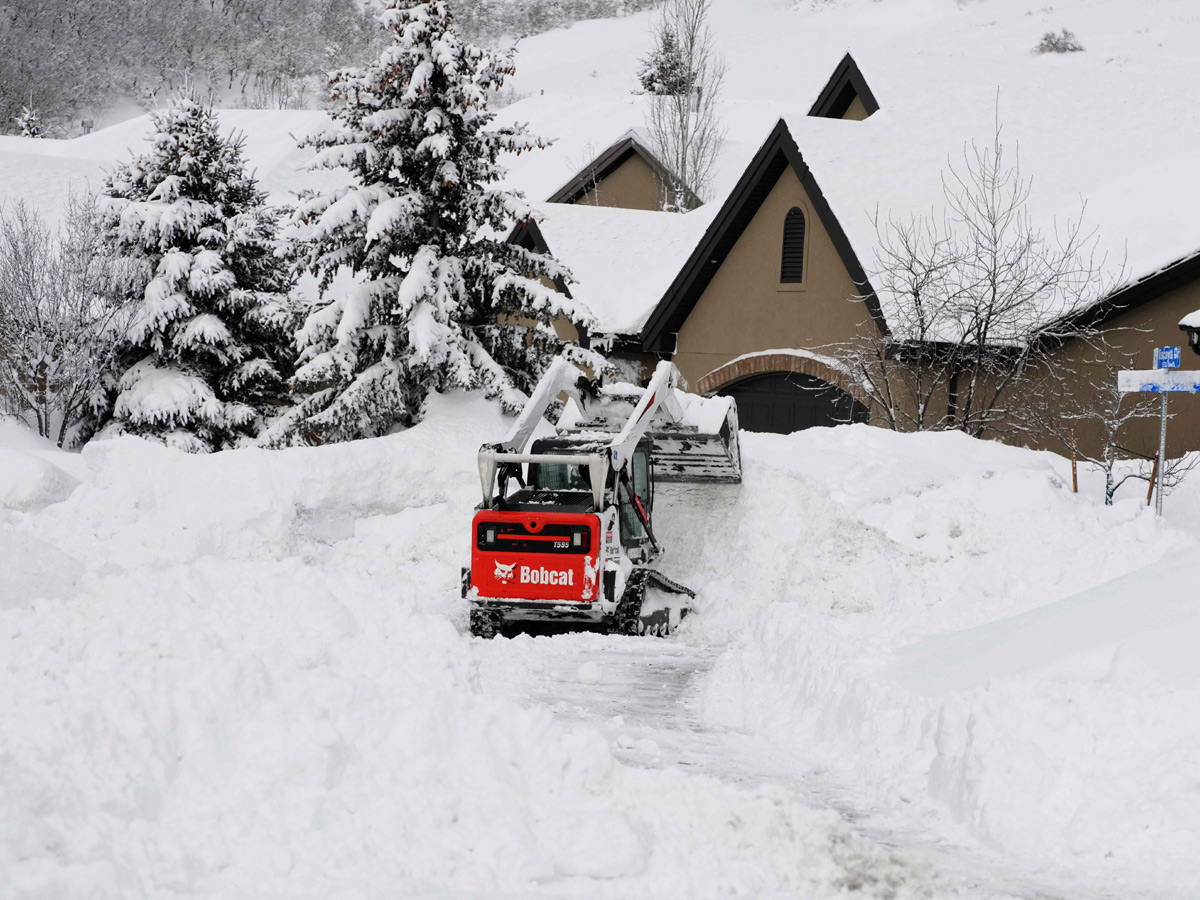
x=783, y=402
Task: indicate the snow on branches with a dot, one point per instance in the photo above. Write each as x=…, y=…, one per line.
x=441, y=299
x=29, y=123
x=206, y=352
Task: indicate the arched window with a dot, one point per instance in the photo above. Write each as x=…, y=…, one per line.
x=792, y=269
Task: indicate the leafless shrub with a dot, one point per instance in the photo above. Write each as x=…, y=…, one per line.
x=1063, y=42
x=977, y=299
x=1082, y=409
x=59, y=314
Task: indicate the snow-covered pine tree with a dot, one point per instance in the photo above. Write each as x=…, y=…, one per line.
x=208, y=347
x=29, y=122
x=664, y=71
x=441, y=300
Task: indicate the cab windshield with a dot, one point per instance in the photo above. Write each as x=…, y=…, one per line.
x=560, y=477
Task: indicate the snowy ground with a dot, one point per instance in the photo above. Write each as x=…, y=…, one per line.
x=248, y=675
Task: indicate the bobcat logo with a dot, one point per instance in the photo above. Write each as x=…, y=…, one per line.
x=504, y=574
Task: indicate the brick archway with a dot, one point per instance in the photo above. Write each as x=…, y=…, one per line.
x=780, y=361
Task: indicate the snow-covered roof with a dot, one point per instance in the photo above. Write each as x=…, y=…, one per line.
x=579, y=131
x=1113, y=126
x=1081, y=133
x=622, y=260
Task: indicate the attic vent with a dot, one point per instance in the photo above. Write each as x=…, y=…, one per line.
x=792, y=269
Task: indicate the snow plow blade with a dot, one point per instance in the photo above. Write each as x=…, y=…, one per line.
x=696, y=442
x=703, y=447
x=693, y=456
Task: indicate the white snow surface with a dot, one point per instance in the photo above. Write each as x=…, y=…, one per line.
x=44, y=171
x=622, y=260
x=1110, y=126
x=1060, y=730
x=250, y=671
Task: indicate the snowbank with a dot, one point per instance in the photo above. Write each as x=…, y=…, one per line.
x=1064, y=733
x=33, y=472
x=26, y=481
x=250, y=672
x=1141, y=629
x=1083, y=710
x=252, y=668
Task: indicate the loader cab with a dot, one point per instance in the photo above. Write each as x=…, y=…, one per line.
x=563, y=484
x=633, y=533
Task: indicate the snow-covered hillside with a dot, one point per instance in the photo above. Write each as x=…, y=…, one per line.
x=943, y=72
x=253, y=669
x=1110, y=125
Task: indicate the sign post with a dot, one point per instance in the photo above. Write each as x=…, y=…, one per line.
x=1163, y=379
x=1162, y=454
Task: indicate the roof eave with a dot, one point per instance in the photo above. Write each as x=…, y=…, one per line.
x=846, y=72
x=1175, y=274
x=607, y=162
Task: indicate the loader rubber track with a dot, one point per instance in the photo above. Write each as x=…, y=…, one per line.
x=485, y=624
x=627, y=618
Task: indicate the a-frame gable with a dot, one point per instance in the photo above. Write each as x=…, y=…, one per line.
x=773, y=158
x=624, y=152
x=528, y=235
x=845, y=86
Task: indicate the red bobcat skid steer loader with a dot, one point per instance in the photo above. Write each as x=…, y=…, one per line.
x=564, y=532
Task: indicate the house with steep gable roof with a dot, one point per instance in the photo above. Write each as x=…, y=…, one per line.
x=778, y=275
x=770, y=287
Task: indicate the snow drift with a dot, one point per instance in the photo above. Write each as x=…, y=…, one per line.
x=251, y=669
x=866, y=566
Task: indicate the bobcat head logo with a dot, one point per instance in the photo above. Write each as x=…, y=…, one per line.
x=504, y=574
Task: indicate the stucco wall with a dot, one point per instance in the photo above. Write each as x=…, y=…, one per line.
x=746, y=309
x=563, y=327
x=1131, y=339
x=856, y=111
x=632, y=185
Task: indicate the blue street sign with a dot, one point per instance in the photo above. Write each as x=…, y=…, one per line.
x=1166, y=357
x=1157, y=381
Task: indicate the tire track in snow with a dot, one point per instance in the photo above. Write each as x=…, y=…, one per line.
x=643, y=695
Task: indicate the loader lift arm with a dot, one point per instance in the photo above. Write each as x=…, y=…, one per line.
x=658, y=411
x=551, y=552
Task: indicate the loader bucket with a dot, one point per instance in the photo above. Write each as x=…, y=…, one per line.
x=695, y=438
x=703, y=446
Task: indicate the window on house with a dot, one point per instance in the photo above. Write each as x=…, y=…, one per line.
x=792, y=269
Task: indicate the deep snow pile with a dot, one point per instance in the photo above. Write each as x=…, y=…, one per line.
x=249, y=673
x=252, y=669
x=1066, y=735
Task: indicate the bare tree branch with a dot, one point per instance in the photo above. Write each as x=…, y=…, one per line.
x=59, y=314
x=684, y=127
x=978, y=300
